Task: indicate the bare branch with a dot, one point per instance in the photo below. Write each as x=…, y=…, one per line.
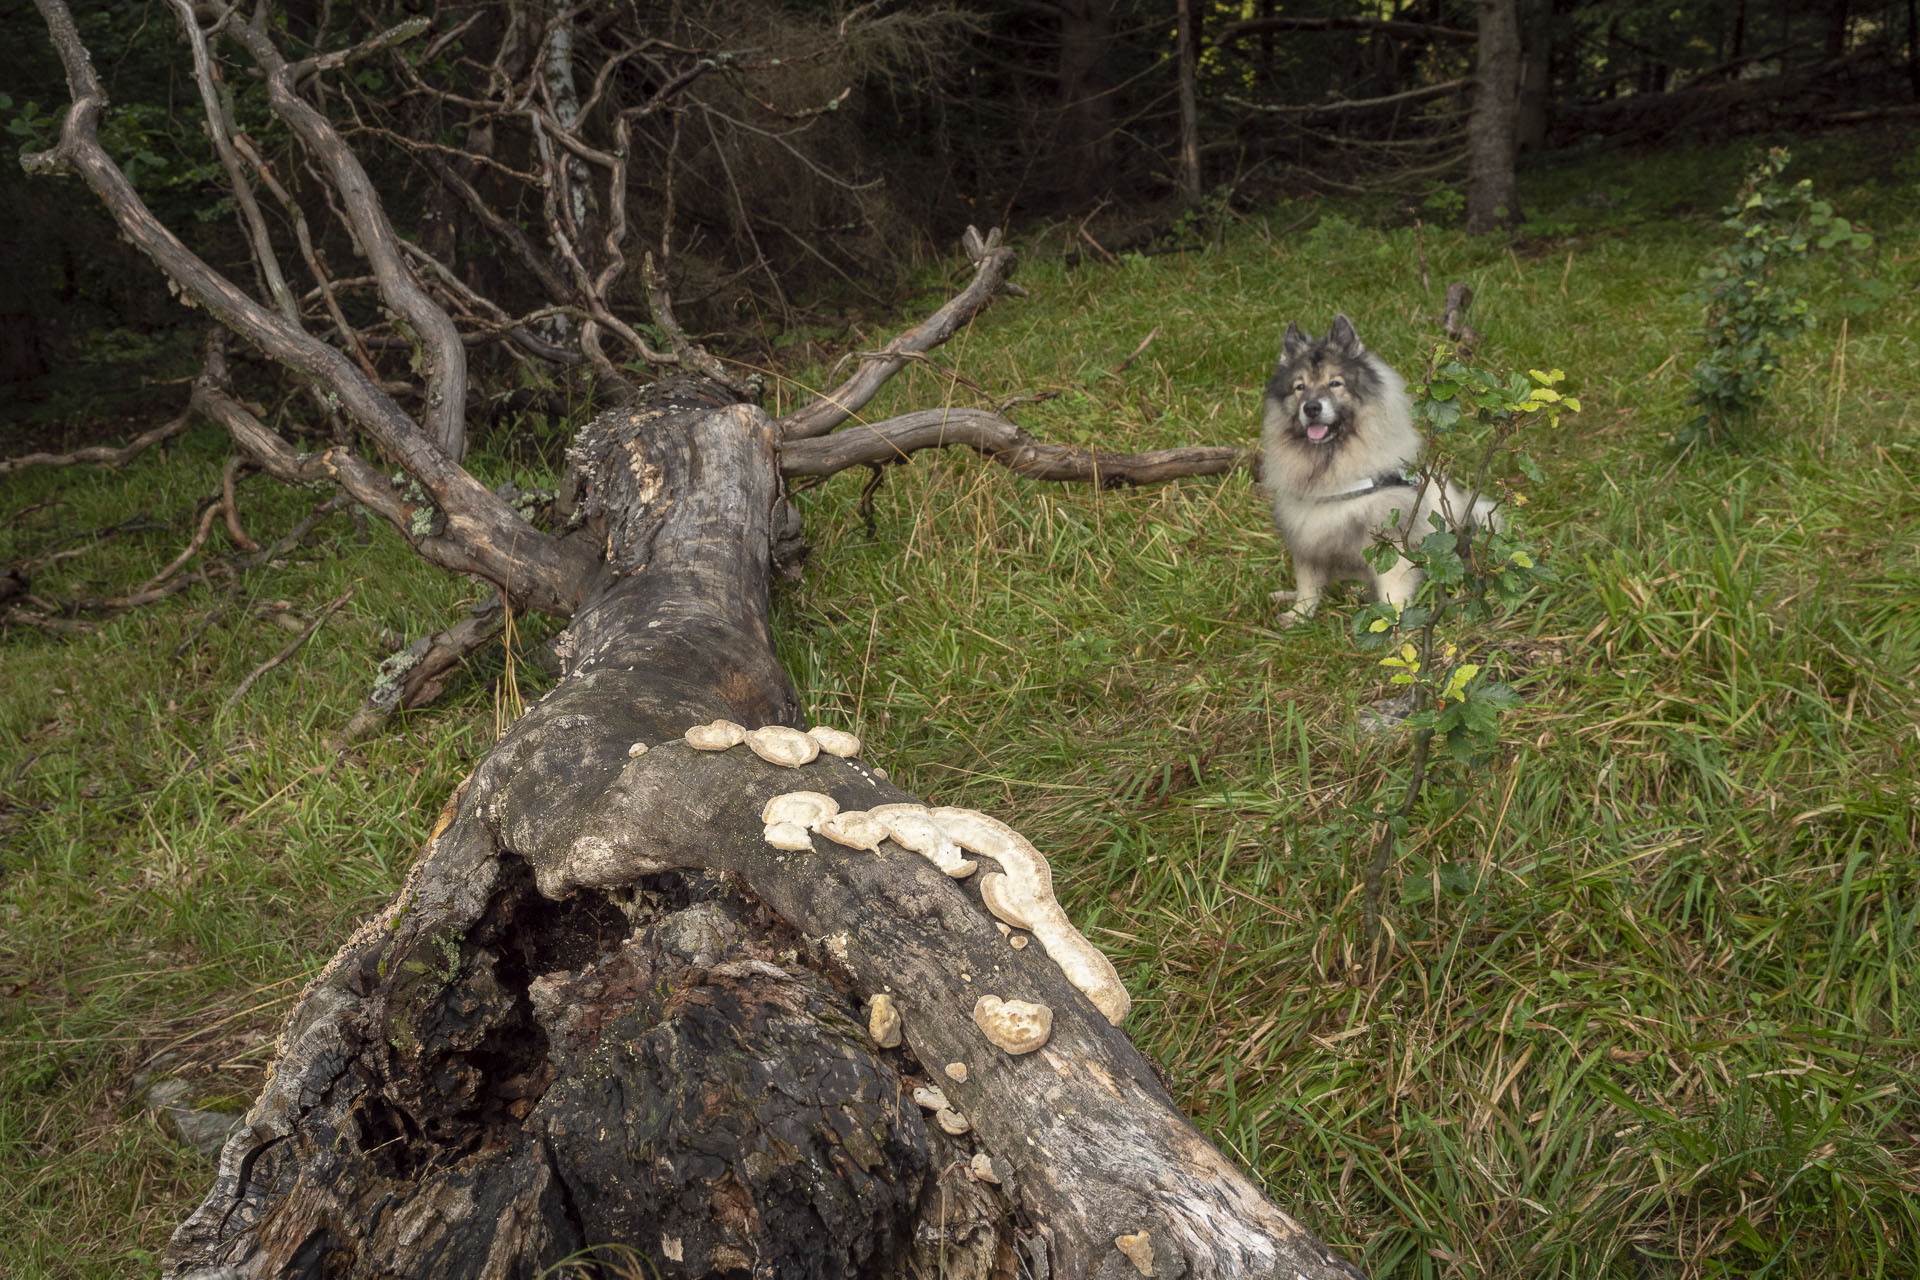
x=101, y=455
x=992, y=261
x=481, y=535
x=994, y=437
x=446, y=371
x=292, y=648
x=1386, y=26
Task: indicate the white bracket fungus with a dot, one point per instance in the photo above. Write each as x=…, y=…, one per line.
x=856, y=829
x=1023, y=897
x=952, y=1122
x=913, y=827
x=883, y=1021
x=788, y=835
x=803, y=808
x=1014, y=1025
x=791, y=816
x=956, y=1072
x=717, y=736
x=931, y=1098
x=981, y=1167
x=637, y=749
x=835, y=742
x=777, y=744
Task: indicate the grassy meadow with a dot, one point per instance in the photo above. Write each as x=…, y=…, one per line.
x=1652, y=1009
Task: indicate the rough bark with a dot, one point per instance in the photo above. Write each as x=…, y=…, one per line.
x=1536, y=73
x=1493, y=202
x=501, y=1069
x=1188, y=52
x=1085, y=145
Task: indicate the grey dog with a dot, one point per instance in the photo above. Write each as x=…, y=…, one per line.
x=1336, y=452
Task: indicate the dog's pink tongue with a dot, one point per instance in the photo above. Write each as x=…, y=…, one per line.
x=1317, y=431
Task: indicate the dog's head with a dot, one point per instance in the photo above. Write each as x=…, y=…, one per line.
x=1321, y=385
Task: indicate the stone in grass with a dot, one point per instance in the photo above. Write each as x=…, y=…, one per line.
x=167, y=1096
x=1387, y=714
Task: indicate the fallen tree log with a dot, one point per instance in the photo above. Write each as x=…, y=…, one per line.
x=486, y=1080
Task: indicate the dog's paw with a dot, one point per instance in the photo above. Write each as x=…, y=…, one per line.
x=1292, y=618
x=1283, y=597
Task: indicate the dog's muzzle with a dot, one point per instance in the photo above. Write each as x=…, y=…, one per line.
x=1319, y=420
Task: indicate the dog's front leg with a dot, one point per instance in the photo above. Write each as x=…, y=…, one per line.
x=1309, y=581
x=1399, y=585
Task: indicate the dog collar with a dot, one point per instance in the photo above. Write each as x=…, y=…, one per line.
x=1373, y=484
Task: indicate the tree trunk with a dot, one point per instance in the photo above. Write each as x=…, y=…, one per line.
x=550, y=1042
x=1536, y=73
x=1189, y=60
x=1492, y=200
x=1086, y=107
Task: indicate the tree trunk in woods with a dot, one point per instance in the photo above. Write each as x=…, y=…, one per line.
x=1536, y=74
x=606, y=1018
x=1086, y=106
x=1188, y=51
x=1493, y=202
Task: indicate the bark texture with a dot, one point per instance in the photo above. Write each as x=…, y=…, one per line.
x=1493, y=201
x=558, y=1038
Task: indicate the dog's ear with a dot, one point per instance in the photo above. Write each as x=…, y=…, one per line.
x=1293, y=343
x=1345, y=340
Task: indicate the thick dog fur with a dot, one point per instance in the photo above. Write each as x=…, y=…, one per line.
x=1336, y=443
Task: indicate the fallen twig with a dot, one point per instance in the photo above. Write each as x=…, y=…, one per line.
x=103, y=455
x=285, y=653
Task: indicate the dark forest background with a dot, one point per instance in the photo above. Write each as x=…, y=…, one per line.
x=822, y=152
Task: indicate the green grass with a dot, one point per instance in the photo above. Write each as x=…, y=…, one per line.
x=1652, y=1007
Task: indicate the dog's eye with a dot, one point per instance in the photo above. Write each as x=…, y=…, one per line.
x=1337, y=382
x=1299, y=386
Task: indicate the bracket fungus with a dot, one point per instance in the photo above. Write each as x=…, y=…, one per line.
x=856, y=829
x=803, y=808
x=930, y=1097
x=883, y=1021
x=717, y=736
x=777, y=744
x=791, y=817
x=835, y=742
x=788, y=835
x=956, y=1072
x=981, y=1167
x=952, y=1122
x=637, y=749
x=1021, y=894
x=1014, y=1025
x=913, y=827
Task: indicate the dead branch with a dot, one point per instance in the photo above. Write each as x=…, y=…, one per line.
x=416, y=674
x=992, y=262
x=1386, y=26
x=482, y=534
x=445, y=356
x=229, y=503
x=101, y=455
x=1356, y=104
x=992, y=436
x=280, y=657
